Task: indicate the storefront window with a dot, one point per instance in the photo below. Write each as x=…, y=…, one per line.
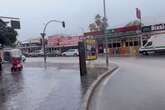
x=130, y=43
x=114, y=45
x=110, y=45
x=118, y=44
x=135, y=43
x=126, y=44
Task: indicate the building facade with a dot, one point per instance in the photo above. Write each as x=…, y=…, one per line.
x=125, y=41
x=31, y=45
x=122, y=41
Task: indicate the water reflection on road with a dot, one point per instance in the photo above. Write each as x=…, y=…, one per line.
x=36, y=88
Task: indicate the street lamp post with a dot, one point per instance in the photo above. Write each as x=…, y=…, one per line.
x=43, y=34
x=106, y=37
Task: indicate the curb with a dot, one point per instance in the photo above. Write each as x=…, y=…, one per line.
x=92, y=88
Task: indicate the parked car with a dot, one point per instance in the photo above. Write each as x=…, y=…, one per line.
x=23, y=58
x=71, y=52
x=58, y=53
x=54, y=53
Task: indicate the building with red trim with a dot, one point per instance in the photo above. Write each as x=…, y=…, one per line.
x=121, y=41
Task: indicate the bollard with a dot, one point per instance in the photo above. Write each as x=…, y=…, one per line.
x=82, y=59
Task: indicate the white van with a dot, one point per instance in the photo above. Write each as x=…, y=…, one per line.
x=156, y=44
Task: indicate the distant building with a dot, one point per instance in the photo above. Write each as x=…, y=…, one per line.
x=31, y=45
x=122, y=41
x=62, y=43
x=53, y=43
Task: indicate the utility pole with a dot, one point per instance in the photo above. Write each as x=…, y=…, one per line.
x=106, y=37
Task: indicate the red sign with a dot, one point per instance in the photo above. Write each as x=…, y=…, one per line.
x=69, y=41
x=138, y=13
x=127, y=29
x=63, y=41
x=54, y=40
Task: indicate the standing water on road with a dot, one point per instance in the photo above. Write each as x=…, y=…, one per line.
x=37, y=88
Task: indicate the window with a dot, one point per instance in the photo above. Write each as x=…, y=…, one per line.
x=135, y=43
x=118, y=44
x=126, y=44
x=114, y=45
x=130, y=43
x=71, y=50
x=149, y=44
x=110, y=45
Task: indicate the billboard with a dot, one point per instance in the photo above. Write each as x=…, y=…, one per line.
x=64, y=40
x=91, y=53
x=54, y=40
x=70, y=40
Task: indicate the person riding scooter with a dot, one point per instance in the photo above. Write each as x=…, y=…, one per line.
x=16, y=64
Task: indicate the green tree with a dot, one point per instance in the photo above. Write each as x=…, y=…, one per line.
x=8, y=35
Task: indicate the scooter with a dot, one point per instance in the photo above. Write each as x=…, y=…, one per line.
x=16, y=65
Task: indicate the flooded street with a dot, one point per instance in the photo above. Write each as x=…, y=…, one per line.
x=36, y=88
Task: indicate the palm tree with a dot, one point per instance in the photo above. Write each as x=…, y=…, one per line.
x=99, y=24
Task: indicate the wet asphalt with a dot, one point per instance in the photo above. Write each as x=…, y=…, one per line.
x=138, y=84
x=56, y=87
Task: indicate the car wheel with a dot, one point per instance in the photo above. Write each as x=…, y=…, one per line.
x=145, y=53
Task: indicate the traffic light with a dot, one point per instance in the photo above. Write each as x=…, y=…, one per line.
x=63, y=24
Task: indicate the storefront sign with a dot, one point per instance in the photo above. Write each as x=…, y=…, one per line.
x=122, y=30
x=146, y=29
x=158, y=27
x=127, y=29
x=64, y=41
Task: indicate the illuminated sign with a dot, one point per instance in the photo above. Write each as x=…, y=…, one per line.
x=91, y=53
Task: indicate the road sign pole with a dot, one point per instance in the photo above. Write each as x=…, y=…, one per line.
x=43, y=45
x=106, y=37
x=44, y=34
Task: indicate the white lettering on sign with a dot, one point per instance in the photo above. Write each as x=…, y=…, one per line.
x=158, y=27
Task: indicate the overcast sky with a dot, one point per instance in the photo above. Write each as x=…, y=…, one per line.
x=77, y=14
